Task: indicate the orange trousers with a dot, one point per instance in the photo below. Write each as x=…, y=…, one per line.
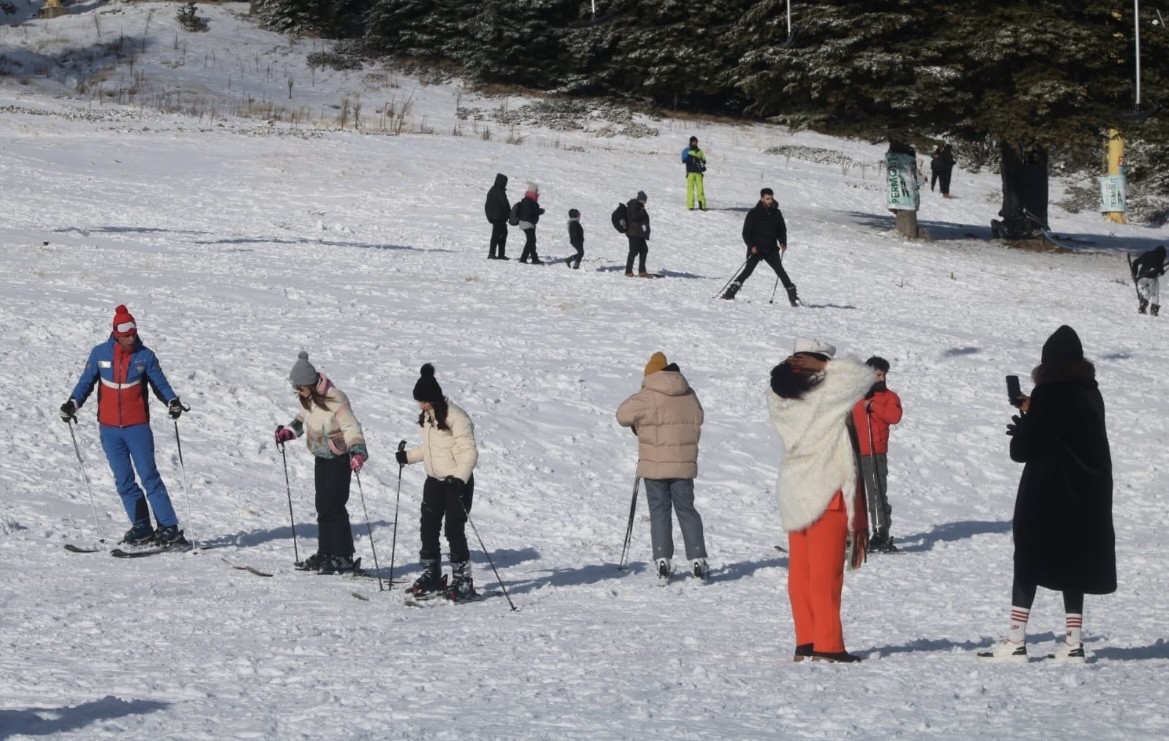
x=816, y=577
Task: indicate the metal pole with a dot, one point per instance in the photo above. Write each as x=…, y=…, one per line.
x=291, y=517
x=485, y=553
x=397, y=501
x=84, y=475
x=183, y=468
x=629, y=527
x=369, y=530
x=1136, y=4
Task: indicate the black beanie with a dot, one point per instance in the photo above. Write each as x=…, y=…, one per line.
x=1063, y=346
x=427, y=389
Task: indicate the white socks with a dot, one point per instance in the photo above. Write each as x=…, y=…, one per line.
x=1018, y=631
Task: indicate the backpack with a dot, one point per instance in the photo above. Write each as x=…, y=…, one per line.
x=514, y=218
x=620, y=218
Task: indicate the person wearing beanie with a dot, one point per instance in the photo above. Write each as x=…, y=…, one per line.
x=448, y=453
x=765, y=233
x=1147, y=270
x=575, y=238
x=821, y=497
x=335, y=439
x=637, y=231
x=1062, y=526
x=123, y=369
x=498, y=209
x=872, y=417
x=695, y=161
x=667, y=418
x=528, y=212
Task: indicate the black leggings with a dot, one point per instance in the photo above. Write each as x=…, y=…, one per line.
x=441, y=501
x=1023, y=595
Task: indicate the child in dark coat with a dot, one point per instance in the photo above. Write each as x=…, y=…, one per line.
x=575, y=238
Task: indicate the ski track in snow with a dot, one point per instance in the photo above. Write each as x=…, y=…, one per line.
x=236, y=244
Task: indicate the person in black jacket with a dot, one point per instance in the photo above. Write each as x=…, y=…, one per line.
x=765, y=233
x=638, y=234
x=498, y=208
x=575, y=238
x=528, y=211
x=1064, y=539
x=941, y=167
x=1147, y=271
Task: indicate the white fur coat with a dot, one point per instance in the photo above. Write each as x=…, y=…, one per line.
x=818, y=459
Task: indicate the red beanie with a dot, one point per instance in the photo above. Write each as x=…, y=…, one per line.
x=124, y=322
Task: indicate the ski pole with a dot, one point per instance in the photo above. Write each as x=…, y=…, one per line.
x=369, y=530
x=288, y=487
x=85, y=476
x=397, y=500
x=629, y=527
x=732, y=279
x=774, y=289
x=183, y=468
x=486, y=553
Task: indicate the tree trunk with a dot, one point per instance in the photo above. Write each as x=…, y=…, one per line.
x=907, y=224
x=1024, y=211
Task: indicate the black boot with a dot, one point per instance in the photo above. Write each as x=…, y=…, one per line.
x=1155, y=309
x=792, y=298
x=462, y=586
x=732, y=289
x=1144, y=305
x=431, y=583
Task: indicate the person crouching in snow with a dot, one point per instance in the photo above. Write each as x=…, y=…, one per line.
x=821, y=504
x=667, y=418
x=448, y=453
x=122, y=368
x=334, y=437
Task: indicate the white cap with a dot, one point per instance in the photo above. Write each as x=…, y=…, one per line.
x=811, y=345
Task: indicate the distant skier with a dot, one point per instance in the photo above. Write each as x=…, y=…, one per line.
x=528, y=212
x=637, y=232
x=335, y=439
x=575, y=238
x=123, y=368
x=667, y=418
x=695, y=161
x=1062, y=525
x=449, y=454
x=497, y=209
x=872, y=417
x=941, y=168
x=765, y=233
x=820, y=503
x=1147, y=271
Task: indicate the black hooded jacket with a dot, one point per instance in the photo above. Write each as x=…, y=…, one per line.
x=764, y=228
x=497, y=208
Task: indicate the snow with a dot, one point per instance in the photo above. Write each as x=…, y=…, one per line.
x=237, y=242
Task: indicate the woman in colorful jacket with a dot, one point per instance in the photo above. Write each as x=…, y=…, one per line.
x=334, y=437
x=822, y=506
x=448, y=453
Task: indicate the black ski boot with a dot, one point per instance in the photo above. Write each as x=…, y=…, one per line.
x=312, y=563
x=338, y=565
x=432, y=583
x=792, y=297
x=462, y=587
x=732, y=289
x=1143, y=307
x=138, y=535
x=1155, y=309
x=170, y=537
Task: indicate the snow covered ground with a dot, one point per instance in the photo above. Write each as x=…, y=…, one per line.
x=237, y=242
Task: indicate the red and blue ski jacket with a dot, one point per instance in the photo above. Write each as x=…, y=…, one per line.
x=122, y=379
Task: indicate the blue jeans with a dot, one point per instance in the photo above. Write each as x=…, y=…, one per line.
x=129, y=449
x=663, y=496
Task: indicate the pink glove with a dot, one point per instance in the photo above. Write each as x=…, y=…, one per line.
x=356, y=461
x=283, y=435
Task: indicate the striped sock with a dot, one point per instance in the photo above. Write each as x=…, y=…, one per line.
x=1018, y=631
x=1075, y=625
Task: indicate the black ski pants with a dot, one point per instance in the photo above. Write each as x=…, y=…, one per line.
x=638, y=248
x=332, y=478
x=771, y=258
x=529, y=246
x=450, y=501
x=498, y=246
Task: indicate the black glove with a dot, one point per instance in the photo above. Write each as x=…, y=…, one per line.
x=400, y=456
x=454, y=485
x=175, y=408
x=1013, y=427
x=68, y=411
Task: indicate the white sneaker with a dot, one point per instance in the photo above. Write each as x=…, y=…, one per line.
x=1069, y=654
x=663, y=571
x=1006, y=651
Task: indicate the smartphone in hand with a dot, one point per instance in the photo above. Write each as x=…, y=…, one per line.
x=1014, y=393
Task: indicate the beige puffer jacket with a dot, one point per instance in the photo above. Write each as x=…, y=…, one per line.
x=333, y=431
x=450, y=452
x=667, y=417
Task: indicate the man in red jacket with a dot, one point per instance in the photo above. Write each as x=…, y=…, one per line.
x=872, y=415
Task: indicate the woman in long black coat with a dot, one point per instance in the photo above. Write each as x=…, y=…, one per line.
x=1064, y=539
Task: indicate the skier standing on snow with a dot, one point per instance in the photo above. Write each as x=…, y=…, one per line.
x=449, y=453
x=637, y=232
x=122, y=368
x=497, y=208
x=820, y=502
x=765, y=233
x=1062, y=527
x=1147, y=271
x=667, y=418
x=334, y=437
x=528, y=211
x=575, y=238
x=695, y=161
x=872, y=416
